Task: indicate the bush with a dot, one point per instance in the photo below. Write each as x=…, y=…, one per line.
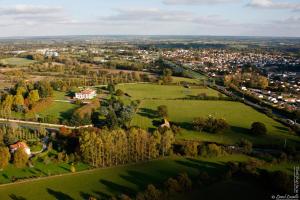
x=246, y=145
x=72, y=168
x=172, y=186
x=20, y=158
x=185, y=182
x=211, y=150
x=258, y=128
x=119, y=92
x=210, y=124
x=190, y=149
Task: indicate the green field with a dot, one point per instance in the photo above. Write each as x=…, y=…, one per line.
x=17, y=61
x=105, y=182
x=60, y=96
x=239, y=116
x=59, y=110
x=152, y=91
x=130, y=179
x=182, y=79
x=39, y=170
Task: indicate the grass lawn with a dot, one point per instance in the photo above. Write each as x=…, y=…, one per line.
x=17, y=61
x=230, y=189
x=60, y=95
x=182, y=79
x=152, y=91
x=59, y=110
x=239, y=116
x=104, y=182
x=130, y=179
x=39, y=170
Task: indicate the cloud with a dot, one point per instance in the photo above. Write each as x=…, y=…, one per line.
x=290, y=21
x=159, y=15
x=197, y=2
x=29, y=10
x=270, y=4
x=32, y=15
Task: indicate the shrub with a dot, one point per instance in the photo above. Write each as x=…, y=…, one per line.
x=190, y=149
x=4, y=157
x=199, y=123
x=210, y=124
x=211, y=150
x=184, y=181
x=258, y=128
x=246, y=145
x=72, y=168
x=119, y=92
x=172, y=186
x=20, y=158
x=152, y=193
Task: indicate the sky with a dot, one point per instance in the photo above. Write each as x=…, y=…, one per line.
x=150, y=17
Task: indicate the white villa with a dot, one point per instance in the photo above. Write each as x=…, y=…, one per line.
x=86, y=94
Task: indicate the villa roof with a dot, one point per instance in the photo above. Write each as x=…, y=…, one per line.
x=87, y=91
x=18, y=145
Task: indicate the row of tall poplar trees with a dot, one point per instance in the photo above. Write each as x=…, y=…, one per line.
x=103, y=148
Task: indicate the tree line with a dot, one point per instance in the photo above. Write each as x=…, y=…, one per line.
x=103, y=147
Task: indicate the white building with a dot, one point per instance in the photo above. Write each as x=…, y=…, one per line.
x=86, y=94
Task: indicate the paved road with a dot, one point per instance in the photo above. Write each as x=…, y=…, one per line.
x=7, y=121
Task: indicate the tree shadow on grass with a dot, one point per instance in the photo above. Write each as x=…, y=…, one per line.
x=42, y=172
x=117, y=188
x=59, y=195
x=210, y=166
x=31, y=171
x=139, y=179
x=67, y=115
x=157, y=123
x=15, y=197
x=149, y=113
x=185, y=125
x=5, y=176
x=202, y=166
x=85, y=195
x=282, y=129
x=102, y=195
x=64, y=168
x=242, y=130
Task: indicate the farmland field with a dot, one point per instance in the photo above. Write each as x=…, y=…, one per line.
x=151, y=91
x=239, y=116
x=130, y=179
x=117, y=180
x=17, y=61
